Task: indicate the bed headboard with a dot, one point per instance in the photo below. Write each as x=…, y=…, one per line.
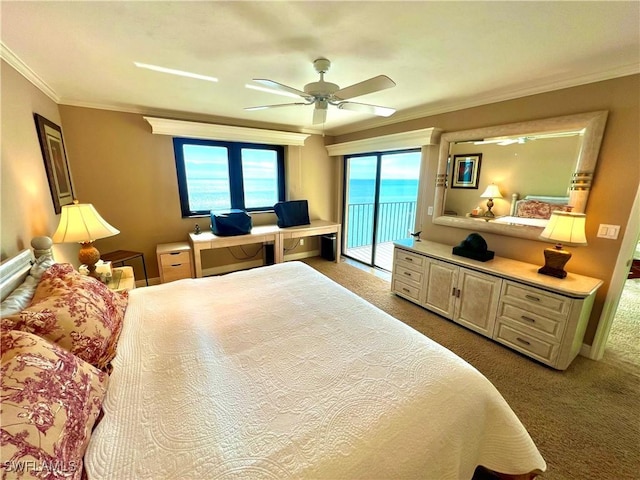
x=14, y=270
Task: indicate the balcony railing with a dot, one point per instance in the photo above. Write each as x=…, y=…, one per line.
x=395, y=219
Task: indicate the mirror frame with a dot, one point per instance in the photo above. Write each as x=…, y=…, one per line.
x=593, y=124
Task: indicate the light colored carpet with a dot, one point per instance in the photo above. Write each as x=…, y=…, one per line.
x=585, y=420
x=623, y=344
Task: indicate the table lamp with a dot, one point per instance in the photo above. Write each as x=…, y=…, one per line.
x=80, y=222
x=491, y=192
x=563, y=227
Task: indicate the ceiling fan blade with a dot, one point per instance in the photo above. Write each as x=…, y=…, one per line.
x=366, y=108
x=375, y=84
x=319, y=115
x=279, y=87
x=264, y=107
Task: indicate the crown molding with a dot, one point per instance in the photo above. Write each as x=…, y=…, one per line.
x=504, y=95
x=12, y=59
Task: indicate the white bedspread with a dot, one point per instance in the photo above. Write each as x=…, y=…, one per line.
x=280, y=373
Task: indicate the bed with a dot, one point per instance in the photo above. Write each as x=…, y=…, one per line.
x=533, y=210
x=279, y=372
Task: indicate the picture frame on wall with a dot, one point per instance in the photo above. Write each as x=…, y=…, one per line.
x=466, y=170
x=55, y=162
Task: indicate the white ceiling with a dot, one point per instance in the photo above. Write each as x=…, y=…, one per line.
x=442, y=55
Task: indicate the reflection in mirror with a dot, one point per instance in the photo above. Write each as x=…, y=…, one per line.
x=537, y=166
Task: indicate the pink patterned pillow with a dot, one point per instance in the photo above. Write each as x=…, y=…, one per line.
x=537, y=209
x=75, y=311
x=50, y=401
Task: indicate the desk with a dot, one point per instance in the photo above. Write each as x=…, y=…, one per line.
x=262, y=234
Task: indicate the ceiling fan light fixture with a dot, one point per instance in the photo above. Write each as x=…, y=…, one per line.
x=322, y=93
x=173, y=71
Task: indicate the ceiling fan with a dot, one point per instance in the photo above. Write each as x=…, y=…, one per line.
x=321, y=94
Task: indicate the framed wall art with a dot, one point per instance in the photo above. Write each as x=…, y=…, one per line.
x=55, y=162
x=466, y=170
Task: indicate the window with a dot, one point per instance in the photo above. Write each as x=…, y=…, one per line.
x=216, y=175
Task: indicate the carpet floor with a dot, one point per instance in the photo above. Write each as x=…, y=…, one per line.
x=584, y=420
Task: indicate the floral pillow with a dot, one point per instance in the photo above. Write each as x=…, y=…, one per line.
x=537, y=209
x=75, y=311
x=50, y=402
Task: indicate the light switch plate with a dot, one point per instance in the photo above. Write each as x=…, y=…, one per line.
x=608, y=231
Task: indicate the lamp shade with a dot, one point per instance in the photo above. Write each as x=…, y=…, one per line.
x=80, y=222
x=492, y=191
x=566, y=227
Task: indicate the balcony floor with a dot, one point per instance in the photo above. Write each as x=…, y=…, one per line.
x=384, y=255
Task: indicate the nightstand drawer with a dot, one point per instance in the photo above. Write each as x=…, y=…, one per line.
x=527, y=344
x=176, y=272
x=549, y=327
x=535, y=300
x=175, y=258
x=174, y=261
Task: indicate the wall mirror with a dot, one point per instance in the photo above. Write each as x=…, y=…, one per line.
x=536, y=166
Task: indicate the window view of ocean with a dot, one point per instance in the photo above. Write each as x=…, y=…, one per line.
x=396, y=212
x=213, y=193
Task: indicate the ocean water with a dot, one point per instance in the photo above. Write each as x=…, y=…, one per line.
x=396, y=214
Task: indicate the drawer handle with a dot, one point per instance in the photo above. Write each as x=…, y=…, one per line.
x=528, y=319
x=176, y=265
x=408, y=259
x=522, y=340
x=406, y=290
x=531, y=297
x=453, y=292
x=175, y=253
x=407, y=274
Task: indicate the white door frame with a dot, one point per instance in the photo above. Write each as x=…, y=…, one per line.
x=620, y=273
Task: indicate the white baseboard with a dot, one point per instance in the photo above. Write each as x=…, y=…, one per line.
x=585, y=351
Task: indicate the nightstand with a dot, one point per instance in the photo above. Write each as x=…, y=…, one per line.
x=174, y=261
x=122, y=279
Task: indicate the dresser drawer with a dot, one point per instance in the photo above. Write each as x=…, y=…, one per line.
x=176, y=272
x=406, y=289
x=408, y=259
x=546, y=352
x=407, y=275
x=175, y=258
x=549, y=328
x=536, y=301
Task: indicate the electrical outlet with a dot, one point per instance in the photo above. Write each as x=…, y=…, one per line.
x=429, y=210
x=301, y=241
x=608, y=231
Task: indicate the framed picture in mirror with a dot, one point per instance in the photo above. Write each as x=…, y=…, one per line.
x=466, y=170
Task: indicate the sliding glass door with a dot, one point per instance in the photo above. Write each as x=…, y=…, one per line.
x=381, y=190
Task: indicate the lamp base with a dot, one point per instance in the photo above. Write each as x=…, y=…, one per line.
x=554, y=261
x=89, y=256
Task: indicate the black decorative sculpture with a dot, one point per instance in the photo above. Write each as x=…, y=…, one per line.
x=475, y=247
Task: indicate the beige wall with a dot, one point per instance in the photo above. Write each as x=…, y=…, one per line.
x=26, y=207
x=616, y=178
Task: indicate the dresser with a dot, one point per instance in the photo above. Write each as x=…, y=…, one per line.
x=506, y=300
x=174, y=261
